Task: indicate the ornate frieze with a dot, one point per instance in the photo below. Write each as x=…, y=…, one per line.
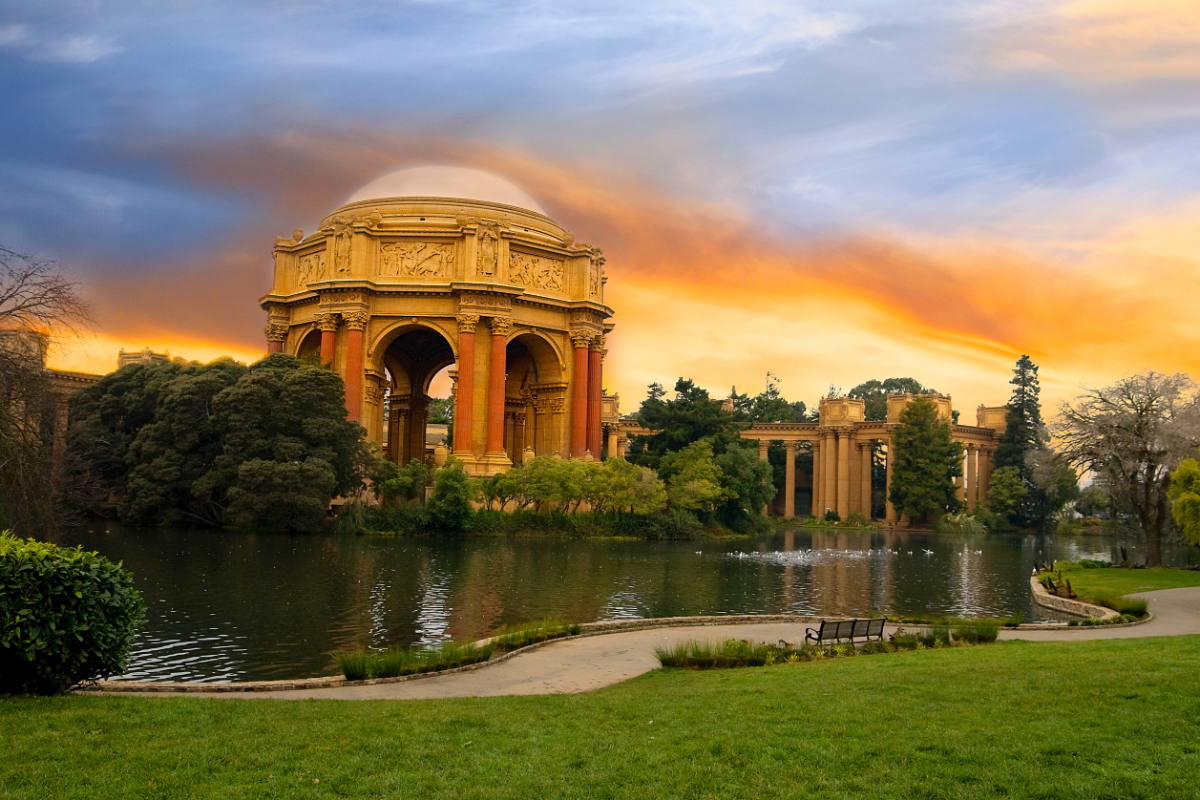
x=416, y=259
x=536, y=272
x=486, y=305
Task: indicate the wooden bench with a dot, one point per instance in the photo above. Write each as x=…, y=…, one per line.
x=837, y=630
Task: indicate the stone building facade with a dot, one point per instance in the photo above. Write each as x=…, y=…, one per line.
x=390, y=290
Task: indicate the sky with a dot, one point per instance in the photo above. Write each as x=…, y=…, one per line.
x=831, y=192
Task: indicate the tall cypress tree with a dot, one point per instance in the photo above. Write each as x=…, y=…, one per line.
x=1024, y=434
x=925, y=463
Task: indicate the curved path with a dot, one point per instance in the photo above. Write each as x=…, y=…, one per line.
x=593, y=662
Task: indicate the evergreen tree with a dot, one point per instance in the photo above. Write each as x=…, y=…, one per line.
x=690, y=417
x=1023, y=443
x=874, y=394
x=926, y=461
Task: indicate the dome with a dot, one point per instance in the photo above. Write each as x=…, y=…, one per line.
x=468, y=184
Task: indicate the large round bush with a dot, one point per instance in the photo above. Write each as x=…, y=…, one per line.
x=66, y=616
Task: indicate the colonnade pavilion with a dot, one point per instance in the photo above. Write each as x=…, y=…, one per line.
x=437, y=267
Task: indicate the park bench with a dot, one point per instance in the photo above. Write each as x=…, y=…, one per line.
x=846, y=629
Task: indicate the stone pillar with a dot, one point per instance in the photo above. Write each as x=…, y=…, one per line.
x=960, y=482
x=327, y=324
x=396, y=434
x=985, y=472
x=414, y=428
x=614, y=443
x=497, y=372
x=276, y=333
x=789, y=483
x=829, y=470
x=843, y=474
x=579, y=397
x=971, y=473
x=763, y=446
x=464, y=413
x=595, y=435
x=356, y=323
x=891, y=516
x=866, y=456
x=816, y=510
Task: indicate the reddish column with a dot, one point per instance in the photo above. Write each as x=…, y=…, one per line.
x=327, y=323
x=356, y=321
x=464, y=392
x=579, y=400
x=594, y=433
x=274, y=346
x=276, y=332
x=497, y=373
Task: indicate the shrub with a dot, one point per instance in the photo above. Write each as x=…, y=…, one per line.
x=66, y=616
x=979, y=631
x=1122, y=605
x=857, y=519
x=450, y=506
x=832, y=516
x=958, y=523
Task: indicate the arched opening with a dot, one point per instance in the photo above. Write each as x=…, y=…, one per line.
x=410, y=362
x=311, y=343
x=533, y=383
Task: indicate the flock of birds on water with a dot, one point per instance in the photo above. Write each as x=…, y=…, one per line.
x=809, y=553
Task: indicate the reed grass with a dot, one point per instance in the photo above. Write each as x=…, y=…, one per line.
x=516, y=637
x=398, y=661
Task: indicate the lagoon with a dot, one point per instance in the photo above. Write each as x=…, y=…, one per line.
x=241, y=606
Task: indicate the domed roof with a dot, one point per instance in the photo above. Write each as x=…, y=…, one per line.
x=468, y=184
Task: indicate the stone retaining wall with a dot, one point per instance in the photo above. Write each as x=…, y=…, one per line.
x=1076, y=608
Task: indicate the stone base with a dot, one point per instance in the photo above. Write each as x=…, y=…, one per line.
x=493, y=464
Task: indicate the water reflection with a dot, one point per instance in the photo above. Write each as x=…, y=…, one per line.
x=226, y=606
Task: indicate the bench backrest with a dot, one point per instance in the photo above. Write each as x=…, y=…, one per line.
x=875, y=628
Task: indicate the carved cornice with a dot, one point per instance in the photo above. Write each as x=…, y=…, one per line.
x=467, y=322
x=357, y=320
x=343, y=296
x=485, y=304
x=327, y=321
x=501, y=326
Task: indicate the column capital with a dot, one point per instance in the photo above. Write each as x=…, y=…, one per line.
x=276, y=332
x=467, y=322
x=597, y=344
x=357, y=320
x=581, y=338
x=501, y=326
x=327, y=321
x=790, y=445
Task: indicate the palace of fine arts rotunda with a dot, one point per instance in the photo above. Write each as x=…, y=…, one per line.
x=435, y=267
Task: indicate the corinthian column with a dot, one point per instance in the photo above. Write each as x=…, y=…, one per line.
x=595, y=361
x=579, y=393
x=356, y=323
x=464, y=418
x=328, y=324
x=276, y=332
x=789, y=480
x=497, y=374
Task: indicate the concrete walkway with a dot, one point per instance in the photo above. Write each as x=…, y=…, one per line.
x=593, y=662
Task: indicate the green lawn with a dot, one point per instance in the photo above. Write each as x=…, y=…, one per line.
x=1118, y=582
x=1104, y=719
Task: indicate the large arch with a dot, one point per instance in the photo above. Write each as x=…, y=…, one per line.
x=407, y=358
x=533, y=383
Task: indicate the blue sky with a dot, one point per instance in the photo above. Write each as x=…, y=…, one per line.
x=1033, y=130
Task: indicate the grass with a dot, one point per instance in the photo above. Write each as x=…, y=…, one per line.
x=394, y=662
x=518, y=636
x=1114, y=582
x=1102, y=719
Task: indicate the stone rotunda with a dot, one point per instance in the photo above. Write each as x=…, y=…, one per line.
x=433, y=267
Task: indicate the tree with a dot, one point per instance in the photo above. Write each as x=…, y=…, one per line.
x=926, y=461
x=1023, y=444
x=1005, y=492
x=768, y=406
x=450, y=506
x=1185, y=499
x=1133, y=434
x=693, y=478
x=875, y=393
x=746, y=483
x=677, y=423
x=36, y=302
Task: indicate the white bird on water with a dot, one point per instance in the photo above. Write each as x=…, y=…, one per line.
x=928, y=552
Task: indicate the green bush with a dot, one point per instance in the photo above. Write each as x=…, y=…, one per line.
x=66, y=616
x=832, y=516
x=958, y=523
x=450, y=506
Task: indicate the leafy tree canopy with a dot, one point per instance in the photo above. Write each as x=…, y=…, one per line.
x=690, y=417
x=875, y=394
x=1185, y=499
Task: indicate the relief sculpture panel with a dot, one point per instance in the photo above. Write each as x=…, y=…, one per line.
x=416, y=260
x=311, y=268
x=536, y=272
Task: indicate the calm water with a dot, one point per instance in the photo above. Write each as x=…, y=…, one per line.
x=226, y=606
